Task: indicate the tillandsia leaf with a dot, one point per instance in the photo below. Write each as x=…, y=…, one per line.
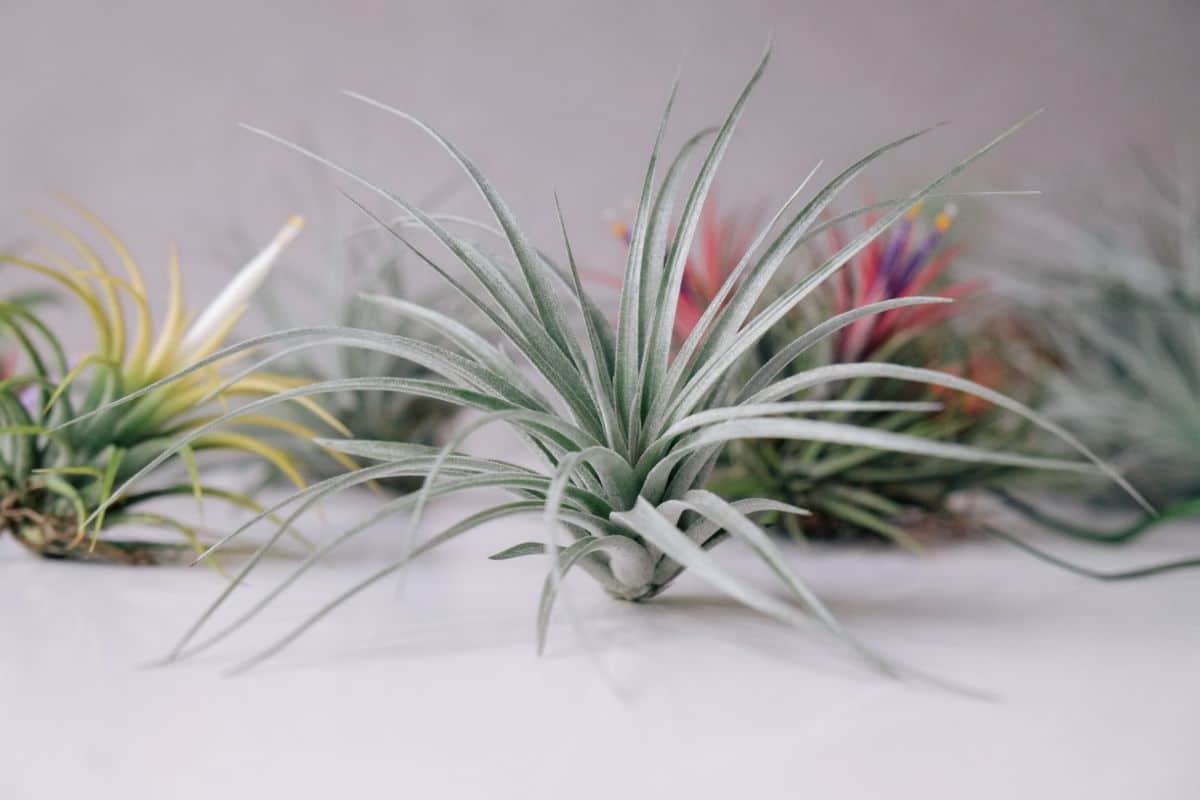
x=626, y=434
x=629, y=325
x=444, y=536
x=840, y=433
x=499, y=512
x=675, y=544
x=615, y=547
x=523, y=549
x=658, y=232
x=704, y=419
x=593, y=314
x=934, y=378
x=668, y=295
x=70, y=460
x=416, y=465
x=817, y=376
x=797, y=347
x=1118, y=575
x=600, y=368
x=312, y=495
x=471, y=342
x=1117, y=535
x=707, y=533
x=537, y=277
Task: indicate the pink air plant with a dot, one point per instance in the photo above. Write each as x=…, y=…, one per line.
x=906, y=262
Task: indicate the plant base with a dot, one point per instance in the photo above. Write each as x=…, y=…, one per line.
x=58, y=538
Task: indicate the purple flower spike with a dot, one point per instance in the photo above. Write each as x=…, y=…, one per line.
x=900, y=280
x=895, y=248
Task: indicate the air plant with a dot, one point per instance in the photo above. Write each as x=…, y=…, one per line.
x=854, y=491
x=64, y=447
x=1119, y=303
x=626, y=427
x=362, y=275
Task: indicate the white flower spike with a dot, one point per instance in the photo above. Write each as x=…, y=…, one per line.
x=232, y=300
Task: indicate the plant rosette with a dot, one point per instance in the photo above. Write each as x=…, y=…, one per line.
x=64, y=446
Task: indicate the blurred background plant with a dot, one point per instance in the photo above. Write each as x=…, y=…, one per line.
x=855, y=492
x=1117, y=301
x=361, y=282
x=56, y=469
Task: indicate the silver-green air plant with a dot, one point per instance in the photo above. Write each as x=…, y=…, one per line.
x=1119, y=301
x=625, y=426
x=64, y=447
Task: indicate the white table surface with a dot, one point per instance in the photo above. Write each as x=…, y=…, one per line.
x=430, y=687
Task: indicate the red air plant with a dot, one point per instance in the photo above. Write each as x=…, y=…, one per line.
x=906, y=262
x=721, y=242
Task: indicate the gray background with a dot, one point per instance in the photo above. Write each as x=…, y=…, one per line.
x=132, y=106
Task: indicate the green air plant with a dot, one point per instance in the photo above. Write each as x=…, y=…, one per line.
x=362, y=276
x=1120, y=312
x=626, y=428
x=52, y=478
x=861, y=492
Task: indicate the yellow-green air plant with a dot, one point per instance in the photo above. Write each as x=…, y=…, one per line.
x=60, y=462
x=624, y=425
